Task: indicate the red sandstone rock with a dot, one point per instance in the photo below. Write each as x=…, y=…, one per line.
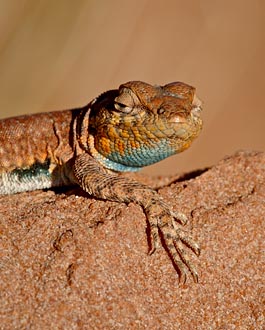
x=71, y=262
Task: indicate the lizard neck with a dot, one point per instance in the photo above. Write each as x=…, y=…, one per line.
x=85, y=141
x=108, y=163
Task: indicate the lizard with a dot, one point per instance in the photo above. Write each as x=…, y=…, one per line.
x=121, y=130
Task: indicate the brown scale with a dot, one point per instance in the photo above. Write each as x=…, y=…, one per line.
x=31, y=139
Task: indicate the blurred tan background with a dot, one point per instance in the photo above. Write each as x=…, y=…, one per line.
x=61, y=54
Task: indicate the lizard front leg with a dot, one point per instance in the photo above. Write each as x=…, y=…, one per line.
x=101, y=183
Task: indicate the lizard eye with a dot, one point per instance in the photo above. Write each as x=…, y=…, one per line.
x=160, y=111
x=122, y=107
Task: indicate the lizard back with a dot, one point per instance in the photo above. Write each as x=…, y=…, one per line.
x=32, y=147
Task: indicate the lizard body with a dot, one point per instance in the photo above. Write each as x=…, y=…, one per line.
x=122, y=130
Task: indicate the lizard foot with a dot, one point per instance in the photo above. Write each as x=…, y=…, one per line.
x=166, y=222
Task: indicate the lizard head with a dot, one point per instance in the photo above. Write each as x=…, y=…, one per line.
x=140, y=124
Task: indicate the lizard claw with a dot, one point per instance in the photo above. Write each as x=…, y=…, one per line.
x=180, y=217
x=154, y=232
x=163, y=221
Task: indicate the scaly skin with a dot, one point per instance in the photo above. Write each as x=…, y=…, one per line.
x=121, y=130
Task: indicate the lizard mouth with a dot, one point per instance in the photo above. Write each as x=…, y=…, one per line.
x=195, y=113
x=196, y=107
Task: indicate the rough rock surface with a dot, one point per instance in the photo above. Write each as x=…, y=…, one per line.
x=68, y=261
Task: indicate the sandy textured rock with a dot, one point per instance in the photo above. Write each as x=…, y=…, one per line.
x=72, y=262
